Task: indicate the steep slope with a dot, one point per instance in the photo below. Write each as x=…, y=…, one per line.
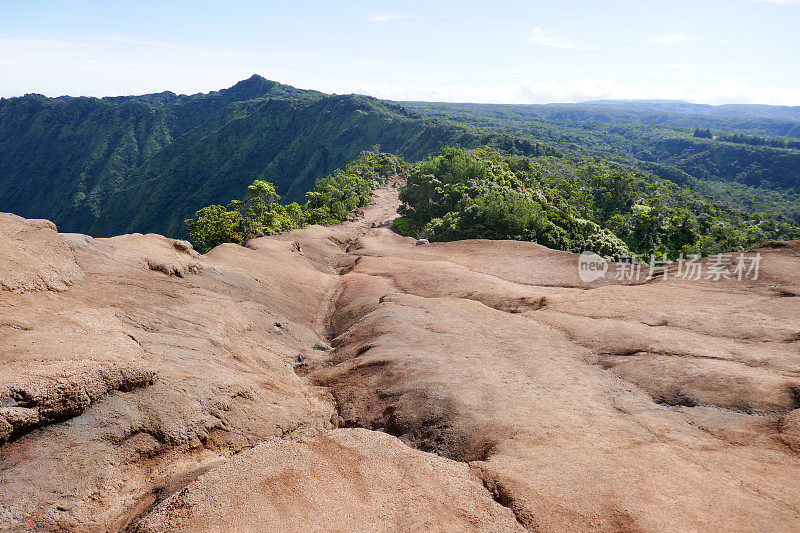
x=62, y=157
x=146, y=163
x=473, y=385
x=289, y=142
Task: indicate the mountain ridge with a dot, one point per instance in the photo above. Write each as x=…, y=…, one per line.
x=146, y=163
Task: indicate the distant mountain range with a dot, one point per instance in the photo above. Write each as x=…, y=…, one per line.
x=105, y=166
x=783, y=113
x=753, y=119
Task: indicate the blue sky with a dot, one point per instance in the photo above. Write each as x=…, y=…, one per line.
x=536, y=51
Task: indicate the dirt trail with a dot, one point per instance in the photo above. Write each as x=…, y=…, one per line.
x=377, y=215
x=470, y=386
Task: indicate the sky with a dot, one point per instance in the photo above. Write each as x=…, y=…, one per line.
x=534, y=51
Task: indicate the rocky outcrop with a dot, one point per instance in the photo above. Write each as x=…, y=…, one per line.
x=34, y=257
x=344, y=480
x=136, y=377
x=26, y=405
x=345, y=379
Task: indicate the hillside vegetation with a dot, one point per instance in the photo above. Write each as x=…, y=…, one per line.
x=330, y=202
x=737, y=164
x=145, y=163
x=573, y=206
x=105, y=166
x=484, y=194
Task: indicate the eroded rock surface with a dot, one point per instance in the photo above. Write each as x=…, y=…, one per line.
x=344, y=480
x=475, y=385
x=34, y=257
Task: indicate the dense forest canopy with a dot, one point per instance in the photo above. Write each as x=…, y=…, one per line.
x=261, y=213
x=572, y=205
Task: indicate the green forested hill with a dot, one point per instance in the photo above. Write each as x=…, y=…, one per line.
x=146, y=163
x=106, y=166
x=575, y=206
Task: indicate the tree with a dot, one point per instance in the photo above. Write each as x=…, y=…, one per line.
x=216, y=224
x=332, y=199
x=263, y=191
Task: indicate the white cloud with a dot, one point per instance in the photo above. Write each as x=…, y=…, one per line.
x=383, y=17
x=120, y=64
x=545, y=38
x=726, y=91
x=673, y=38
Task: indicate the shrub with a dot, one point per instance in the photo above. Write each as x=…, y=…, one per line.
x=332, y=199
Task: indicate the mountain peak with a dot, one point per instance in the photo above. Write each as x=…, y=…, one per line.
x=253, y=87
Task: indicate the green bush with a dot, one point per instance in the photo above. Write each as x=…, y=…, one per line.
x=332, y=199
x=405, y=227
